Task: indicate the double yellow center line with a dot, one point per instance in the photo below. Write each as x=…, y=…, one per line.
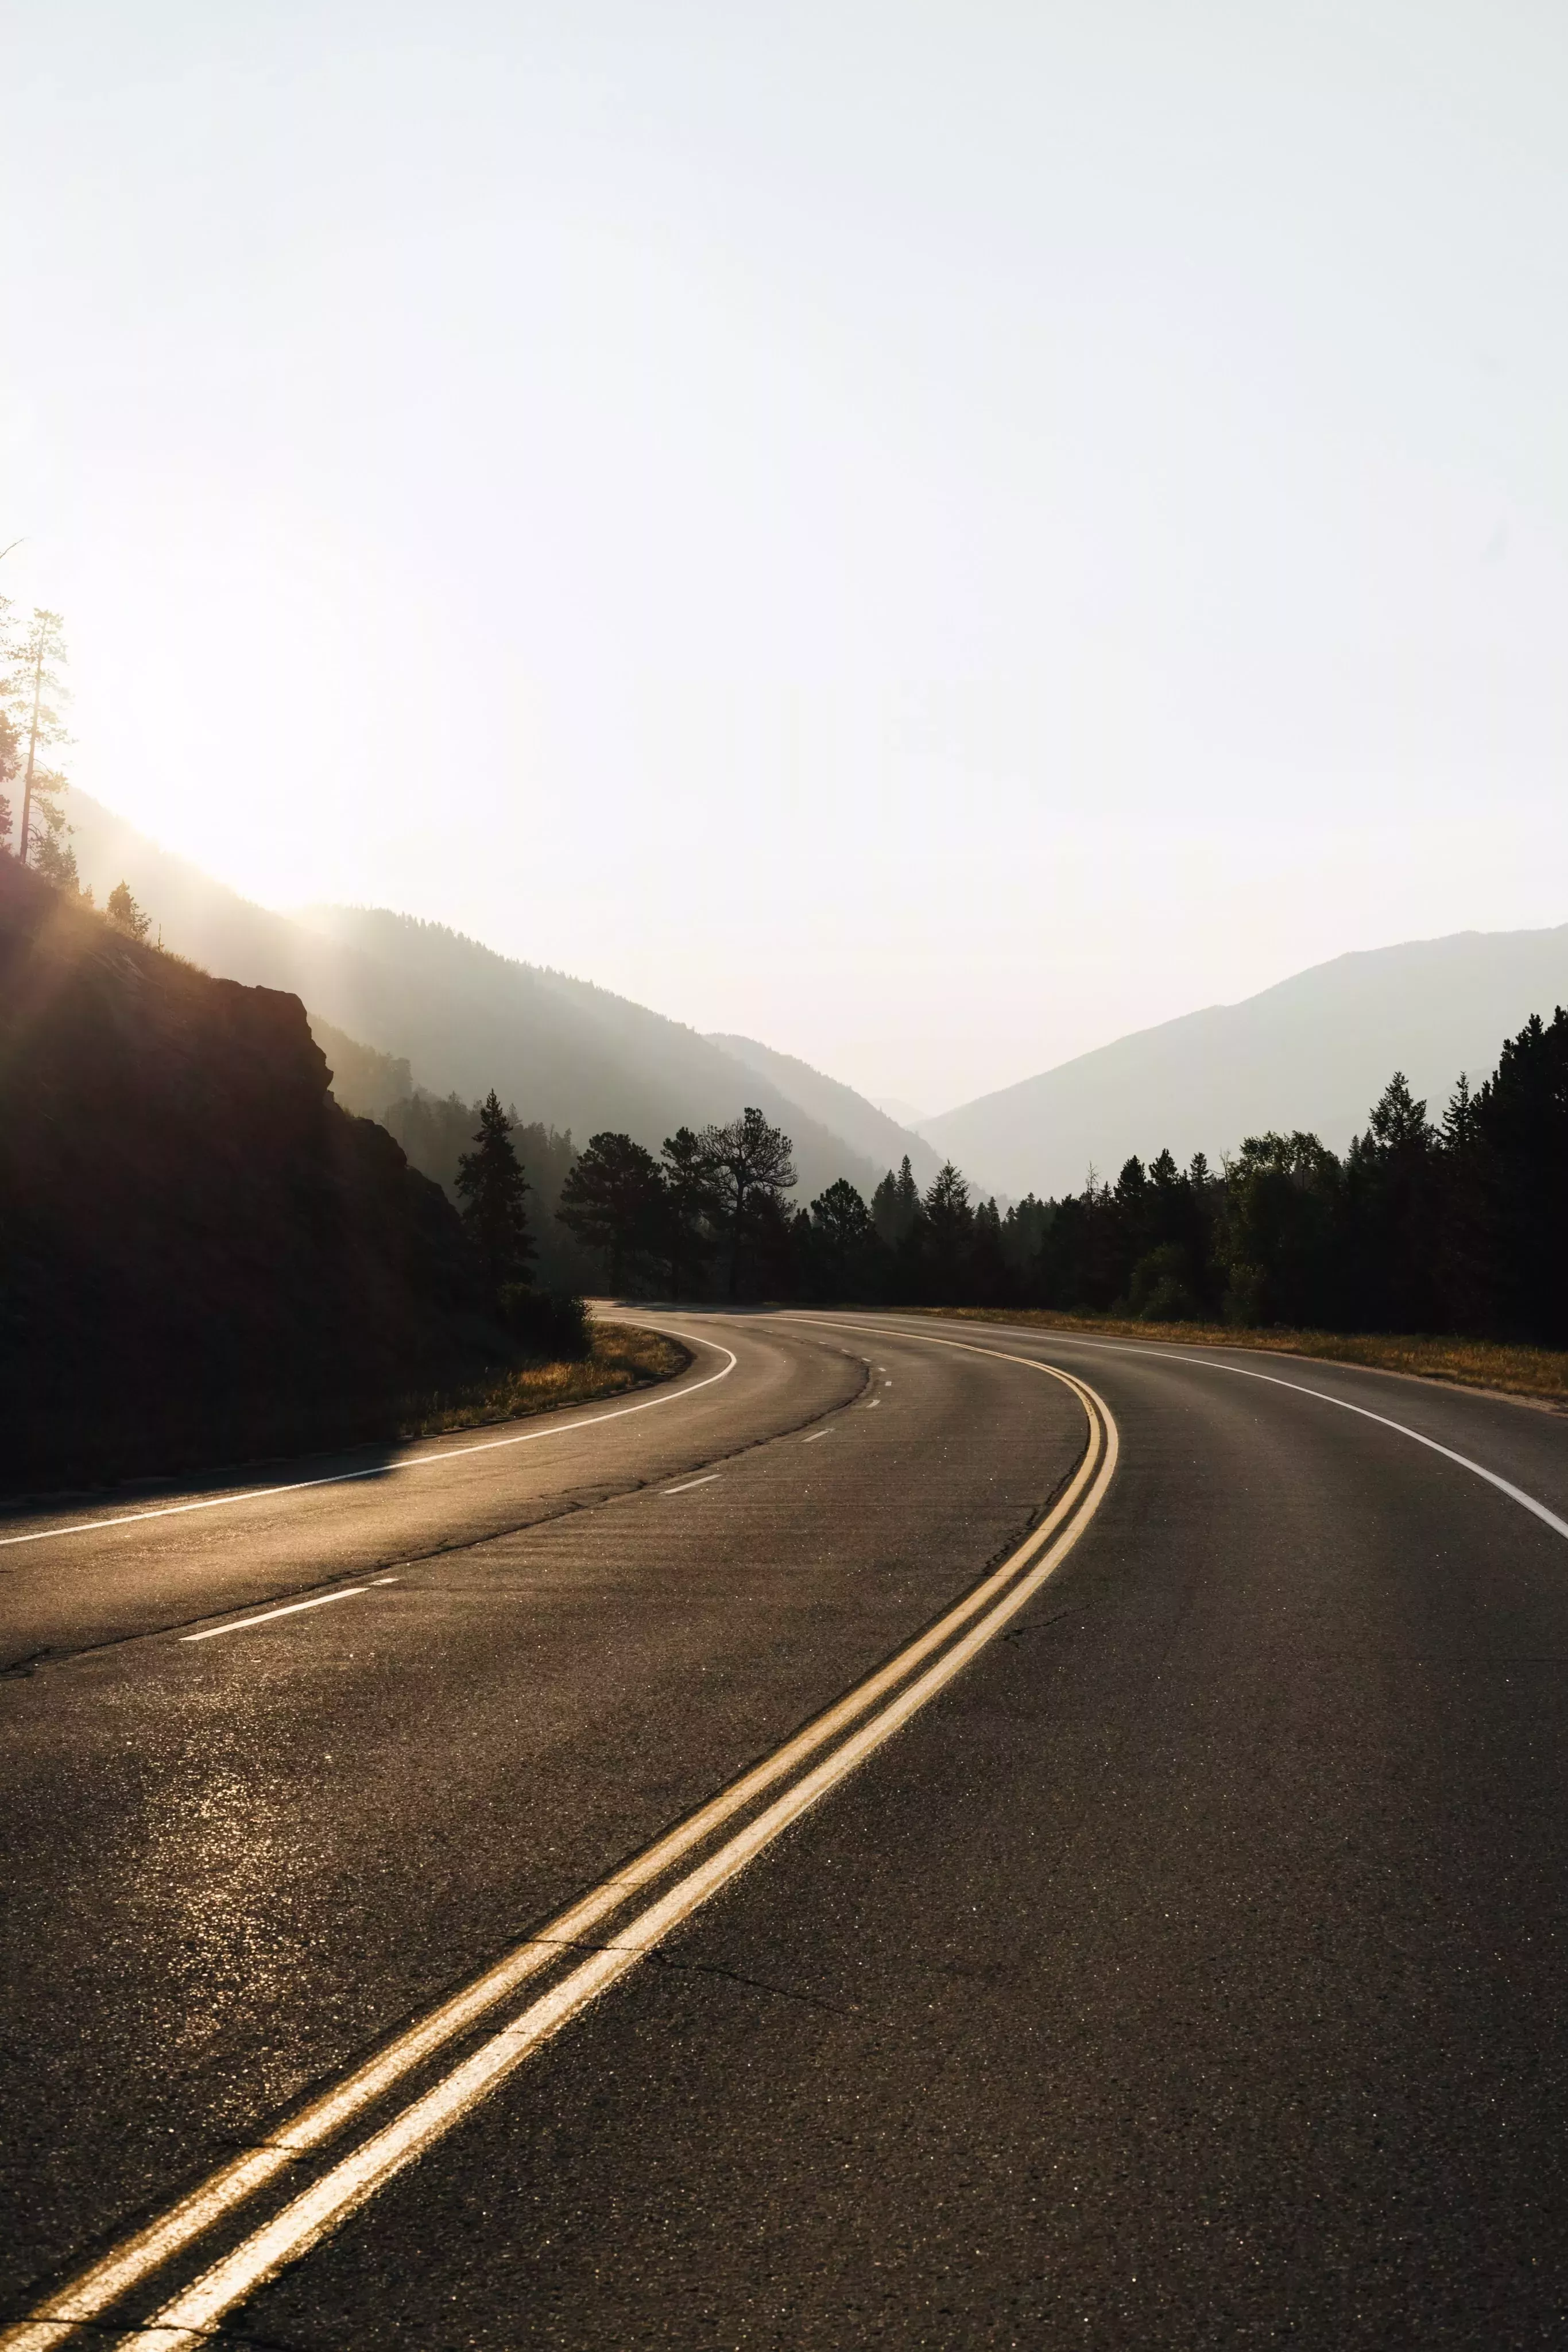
x=793, y=1777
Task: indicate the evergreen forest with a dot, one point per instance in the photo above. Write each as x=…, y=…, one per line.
x=1453, y=1224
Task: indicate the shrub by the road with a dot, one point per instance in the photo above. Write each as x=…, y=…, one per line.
x=548, y=1323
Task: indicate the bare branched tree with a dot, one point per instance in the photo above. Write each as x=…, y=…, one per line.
x=751, y=1163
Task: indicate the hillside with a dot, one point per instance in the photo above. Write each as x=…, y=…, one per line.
x=1313, y=1052
x=204, y=1257
x=866, y=1130
x=464, y=1018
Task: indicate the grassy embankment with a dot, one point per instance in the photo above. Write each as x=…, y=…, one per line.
x=623, y=1357
x=1537, y=1374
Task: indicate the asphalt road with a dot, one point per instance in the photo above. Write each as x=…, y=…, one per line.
x=1167, y=1949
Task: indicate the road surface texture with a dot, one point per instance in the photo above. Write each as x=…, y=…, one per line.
x=875, y=1842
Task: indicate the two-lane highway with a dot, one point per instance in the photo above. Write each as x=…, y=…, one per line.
x=1162, y=1945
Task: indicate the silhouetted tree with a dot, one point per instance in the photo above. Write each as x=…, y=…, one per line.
x=752, y=1168
x=1465, y=1268
x=1391, y=1212
x=691, y=1199
x=491, y=1186
x=1024, y=1229
x=990, y=1275
x=1285, y=1196
x=613, y=1199
x=1521, y=1118
x=948, y=1231
x=773, y=1245
x=843, y=1244
x=896, y=1205
x=1161, y=1233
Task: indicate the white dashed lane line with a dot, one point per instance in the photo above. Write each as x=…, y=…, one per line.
x=690, y=1483
x=289, y=1609
x=815, y=1434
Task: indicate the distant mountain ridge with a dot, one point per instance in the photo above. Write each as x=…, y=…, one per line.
x=463, y=1017
x=864, y=1126
x=1314, y=1050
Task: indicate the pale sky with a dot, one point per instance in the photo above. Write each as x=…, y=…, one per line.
x=933, y=535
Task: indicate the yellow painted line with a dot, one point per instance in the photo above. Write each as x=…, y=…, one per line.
x=1162, y=1353
x=382, y=1469
x=187, y=2322
x=137, y=2258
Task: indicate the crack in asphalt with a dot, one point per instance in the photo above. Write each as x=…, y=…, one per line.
x=662, y=1959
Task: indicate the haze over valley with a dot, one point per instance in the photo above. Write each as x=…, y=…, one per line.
x=783, y=1175
x=935, y=545
x=1313, y=1052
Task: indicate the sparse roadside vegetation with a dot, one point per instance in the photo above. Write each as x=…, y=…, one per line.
x=1537, y=1374
x=622, y=1357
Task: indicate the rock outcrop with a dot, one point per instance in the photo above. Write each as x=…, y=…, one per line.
x=201, y=1256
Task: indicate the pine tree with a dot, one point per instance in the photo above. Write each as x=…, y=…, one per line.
x=1465, y=1282
x=125, y=914
x=1459, y=1129
x=10, y=737
x=613, y=1201
x=1391, y=1186
x=691, y=1199
x=989, y=1273
x=844, y=1241
x=33, y=674
x=896, y=1205
x=492, y=1186
x=52, y=855
x=1521, y=1114
x=948, y=1227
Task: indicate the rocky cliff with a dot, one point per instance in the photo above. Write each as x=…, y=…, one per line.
x=202, y=1257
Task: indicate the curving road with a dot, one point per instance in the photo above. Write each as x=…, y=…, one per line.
x=916, y=1833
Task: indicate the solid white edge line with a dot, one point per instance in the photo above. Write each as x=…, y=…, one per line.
x=289, y=1609
x=1275, y=1381
x=83, y=2297
x=384, y=1469
x=187, y=2321
x=1245, y=1372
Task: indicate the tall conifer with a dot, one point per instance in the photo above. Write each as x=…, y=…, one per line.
x=492, y=1186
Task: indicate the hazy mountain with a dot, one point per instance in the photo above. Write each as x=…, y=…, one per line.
x=864, y=1126
x=1313, y=1052
x=363, y=1081
x=463, y=1017
x=904, y=1113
